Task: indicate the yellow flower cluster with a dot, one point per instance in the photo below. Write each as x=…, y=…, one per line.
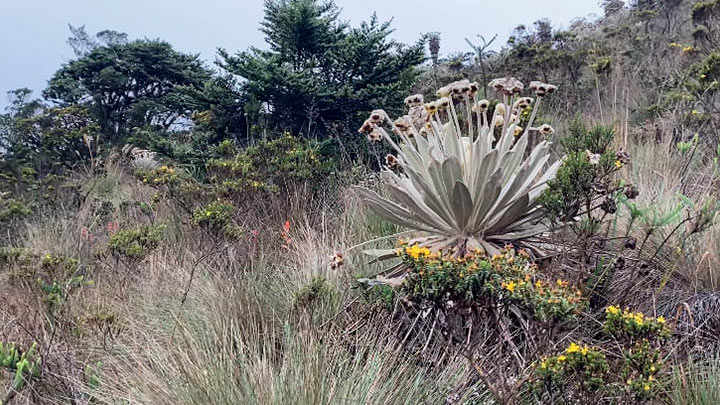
x=415, y=251
x=166, y=170
x=575, y=348
x=635, y=324
x=509, y=286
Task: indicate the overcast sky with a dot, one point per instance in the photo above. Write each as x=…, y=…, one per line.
x=33, y=33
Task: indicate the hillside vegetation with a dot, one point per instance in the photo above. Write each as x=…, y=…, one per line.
x=340, y=218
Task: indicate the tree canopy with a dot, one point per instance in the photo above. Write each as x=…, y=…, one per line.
x=318, y=71
x=126, y=85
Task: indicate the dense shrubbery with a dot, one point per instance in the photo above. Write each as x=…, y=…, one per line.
x=273, y=166
x=135, y=243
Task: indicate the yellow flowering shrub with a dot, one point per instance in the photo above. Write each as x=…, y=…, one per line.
x=509, y=275
x=580, y=368
x=216, y=214
x=59, y=264
x=634, y=325
x=162, y=175
x=643, y=340
x=136, y=243
x=271, y=165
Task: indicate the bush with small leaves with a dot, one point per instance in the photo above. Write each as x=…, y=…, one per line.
x=217, y=217
x=627, y=366
x=634, y=326
x=13, y=210
x=476, y=278
x=579, y=371
x=56, y=292
x=163, y=175
x=217, y=214
x=59, y=264
x=586, y=176
x=136, y=243
x=271, y=166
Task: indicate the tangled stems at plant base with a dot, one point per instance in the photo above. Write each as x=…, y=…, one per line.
x=507, y=276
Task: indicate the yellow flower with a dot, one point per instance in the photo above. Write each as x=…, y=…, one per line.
x=585, y=350
x=646, y=387
x=618, y=164
x=638, y=317
x=538, y=284
x=561, y=283
x=416, y=251
x=573, y=348
x=661, y=320
x=510, y=286
x=562, y=358
x=652, y=369
x=613, y=310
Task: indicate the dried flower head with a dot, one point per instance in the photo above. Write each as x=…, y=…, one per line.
x=336, y=261
x=414, y=100
x=518, y=130
x=523, y=103
x=378, y=116
x=375, y=135
x=481, y=106
x=391, y=161
x=443, y=103
x=507, y=85
x=443, y=91
x=456, y=89
x=403, y=123
x=367, y=127
x=431, y=108
x=498, y=121
x=418, y=116
x=500, y=109
x=546, y=130
x=542, y=89
x=474, y=87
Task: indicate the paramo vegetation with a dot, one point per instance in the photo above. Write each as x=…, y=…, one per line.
x=343, y=218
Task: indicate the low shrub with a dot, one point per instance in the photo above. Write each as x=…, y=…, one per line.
x=136, y=243
x=466, y=281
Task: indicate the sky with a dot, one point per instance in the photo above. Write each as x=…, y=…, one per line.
x=33, y=33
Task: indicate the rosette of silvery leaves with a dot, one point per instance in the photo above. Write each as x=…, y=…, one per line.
x=462, y=179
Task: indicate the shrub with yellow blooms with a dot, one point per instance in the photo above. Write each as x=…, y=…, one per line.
x=580, y=371
x=507, y=276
